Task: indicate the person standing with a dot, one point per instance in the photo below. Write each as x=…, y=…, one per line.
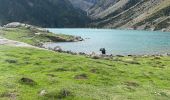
x=103, y=51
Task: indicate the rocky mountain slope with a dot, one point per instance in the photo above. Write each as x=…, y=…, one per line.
x=129, y=14
x=102, y=8
x=134, y=14
x=45, y=13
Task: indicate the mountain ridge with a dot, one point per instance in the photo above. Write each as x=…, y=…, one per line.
x=44, y=13
x=121, y=14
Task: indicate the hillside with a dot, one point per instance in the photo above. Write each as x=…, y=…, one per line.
x=45, y=13
x=138, y=14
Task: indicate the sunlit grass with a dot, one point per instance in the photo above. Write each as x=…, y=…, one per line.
x=69, y=77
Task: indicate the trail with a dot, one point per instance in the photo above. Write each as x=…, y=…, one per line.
x=4, y=41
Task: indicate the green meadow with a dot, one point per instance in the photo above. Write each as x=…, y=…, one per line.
x=34, y=74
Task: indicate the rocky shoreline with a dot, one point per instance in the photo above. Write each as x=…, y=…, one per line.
x=93, y=55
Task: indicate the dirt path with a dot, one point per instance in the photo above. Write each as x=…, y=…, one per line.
x=4, y=41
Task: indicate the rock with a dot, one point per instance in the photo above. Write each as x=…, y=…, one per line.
x=87, y=38
x=157, y=57
x=11, y=61
x=78, y=38
x=69, y=52
x=43, y=93
x=107, y=58
x=37, y=33
x=73, y=53
x=13, y=25
x=95, y=57
x=18, y=24
x=27, y=81
x=58, y=49
x=93, y=70
x=130, y=83
x=119, y=55
x=43, y=30
x=63, y=93
x=153, y=29
x=1, y=27
x=82, y=53
x=163, y=30
x=168, y=54
x=51, y=75
x=81, y=76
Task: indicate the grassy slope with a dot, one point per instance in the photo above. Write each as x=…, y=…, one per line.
x=29, y=36
x=124, y=78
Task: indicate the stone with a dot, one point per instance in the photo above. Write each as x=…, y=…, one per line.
x=12, y=25
x=43, y=93
x=58, y=49
x=78, y=38
x=27, y=81
x=82, y=53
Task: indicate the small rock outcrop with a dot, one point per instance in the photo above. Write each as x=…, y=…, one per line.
x=18, y=24
x=27, y=81
x=58, y=49
x=14, y=25
x=78, y=38
x=43, y=93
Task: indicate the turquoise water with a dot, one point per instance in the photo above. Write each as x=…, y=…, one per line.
x=122, y=42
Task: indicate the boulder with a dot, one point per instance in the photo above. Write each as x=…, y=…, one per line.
x=78, y=38
x=12, y=25
x=82, y=53
x=58, y=49
x=27, y=81
x=43, y=92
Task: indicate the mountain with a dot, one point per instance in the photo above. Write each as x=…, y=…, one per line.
x=128, y=14
x=123, y=14
x=132, y=14
x=45, y=13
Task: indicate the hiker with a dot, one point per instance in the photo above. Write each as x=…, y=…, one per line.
x=103, y=50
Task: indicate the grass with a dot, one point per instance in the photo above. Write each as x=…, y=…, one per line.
x=25, y=72
x=33, y=36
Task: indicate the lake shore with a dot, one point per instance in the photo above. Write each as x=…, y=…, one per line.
x=36, y=36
